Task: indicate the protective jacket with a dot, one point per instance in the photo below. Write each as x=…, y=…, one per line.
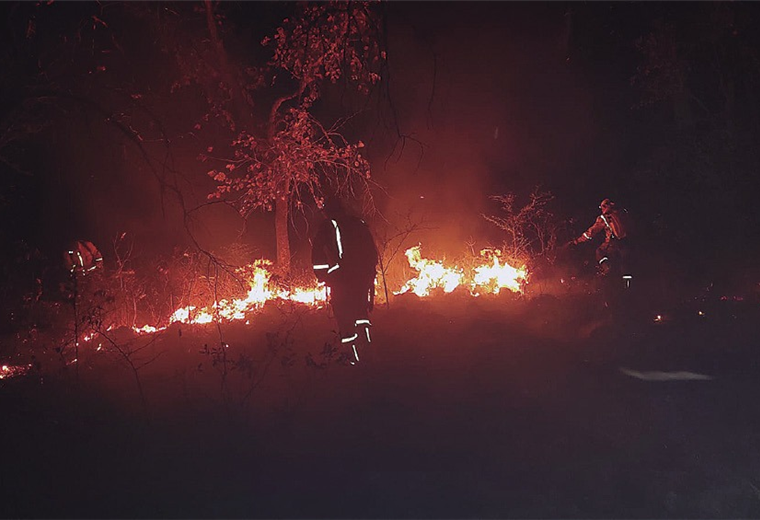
x=344, y=251
x=82, y=257
x=612, y=222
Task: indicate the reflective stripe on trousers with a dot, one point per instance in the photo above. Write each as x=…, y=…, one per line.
x=366, y=324
x=351, y=340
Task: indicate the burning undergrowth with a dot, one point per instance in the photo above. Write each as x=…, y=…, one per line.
x=247, y=343
x=192, y=288
x=488, y=273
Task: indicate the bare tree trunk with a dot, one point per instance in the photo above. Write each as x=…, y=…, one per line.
x=281, y=206
x=281, y=217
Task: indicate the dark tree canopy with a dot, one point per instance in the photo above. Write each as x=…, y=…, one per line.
x=136, y=112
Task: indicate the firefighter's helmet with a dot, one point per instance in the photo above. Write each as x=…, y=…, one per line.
x=606, y=204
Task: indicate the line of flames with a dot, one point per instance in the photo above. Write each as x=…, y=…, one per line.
x=260, y=290
x=489, y=277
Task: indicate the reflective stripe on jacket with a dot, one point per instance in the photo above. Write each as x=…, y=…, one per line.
x=343, y=247
x=611, y=222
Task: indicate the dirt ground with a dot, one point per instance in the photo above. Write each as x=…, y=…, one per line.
x=541, y=407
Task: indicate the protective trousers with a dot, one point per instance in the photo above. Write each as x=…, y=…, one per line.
x=351, y=306
x=613, y=257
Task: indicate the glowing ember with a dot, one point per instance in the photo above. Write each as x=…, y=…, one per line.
x=9, y=371
x=488, y=278
x=147, y=329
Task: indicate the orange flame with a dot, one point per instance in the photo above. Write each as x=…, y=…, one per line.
x=260, y=290
x=495, y=277
x=489, y=277
x=432, y=275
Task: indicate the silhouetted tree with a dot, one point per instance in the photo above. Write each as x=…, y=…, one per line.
x=292, y=153
x=184, y=76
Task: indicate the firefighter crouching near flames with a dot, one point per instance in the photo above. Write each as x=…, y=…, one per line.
x=82, y=257
x=345, y=257
x=615, y=248
x=84, y=264
x=82, y=260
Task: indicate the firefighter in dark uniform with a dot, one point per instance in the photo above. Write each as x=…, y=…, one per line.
x=345, y=257
x=615, y=248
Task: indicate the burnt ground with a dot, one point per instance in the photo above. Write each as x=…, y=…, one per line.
x=467, y=408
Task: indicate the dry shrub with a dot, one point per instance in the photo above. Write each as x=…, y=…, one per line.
x=531, y=230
